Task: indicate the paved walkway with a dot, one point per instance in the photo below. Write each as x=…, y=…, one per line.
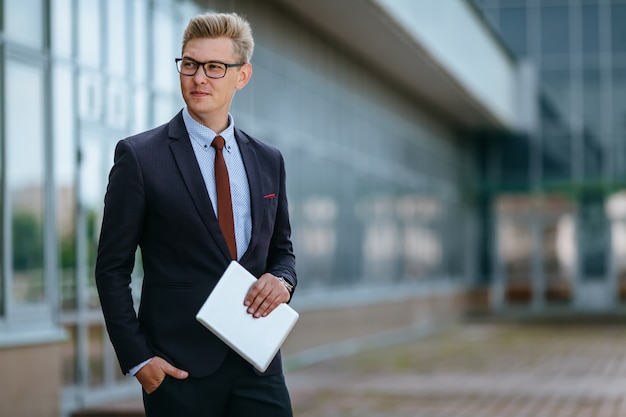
x=476, y=370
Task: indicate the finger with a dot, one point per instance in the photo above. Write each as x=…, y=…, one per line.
x=253, y=292
x=267, y=306
x=277, y=295
x=173, y=371
x=261, y=295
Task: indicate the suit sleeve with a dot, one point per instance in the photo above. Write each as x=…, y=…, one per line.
x=124, y=207
x=281, y=259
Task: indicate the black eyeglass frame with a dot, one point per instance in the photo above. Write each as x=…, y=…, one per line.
x=203, y=65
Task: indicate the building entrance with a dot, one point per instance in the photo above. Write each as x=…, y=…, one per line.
x=534, y=252
x=558, y=251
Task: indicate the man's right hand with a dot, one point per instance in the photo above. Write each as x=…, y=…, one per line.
x=153, y=373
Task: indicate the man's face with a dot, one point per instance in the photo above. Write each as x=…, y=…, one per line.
x=208, y=100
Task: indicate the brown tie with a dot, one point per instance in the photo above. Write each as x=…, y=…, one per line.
x=224, y=202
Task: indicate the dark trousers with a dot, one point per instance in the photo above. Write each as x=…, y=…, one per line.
x=235, y=390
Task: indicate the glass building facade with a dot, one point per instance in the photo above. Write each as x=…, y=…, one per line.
x=378, y=186
x=559, y=193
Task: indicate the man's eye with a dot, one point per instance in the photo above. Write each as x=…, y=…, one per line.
x=189, y=64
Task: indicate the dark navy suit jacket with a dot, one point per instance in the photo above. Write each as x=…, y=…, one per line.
x=157, y=199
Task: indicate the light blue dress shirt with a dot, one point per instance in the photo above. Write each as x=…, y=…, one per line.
x=201, y=138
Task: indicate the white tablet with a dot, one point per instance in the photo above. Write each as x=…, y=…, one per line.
x=223, y=313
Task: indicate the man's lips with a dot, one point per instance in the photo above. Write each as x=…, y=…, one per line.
x=199, y=93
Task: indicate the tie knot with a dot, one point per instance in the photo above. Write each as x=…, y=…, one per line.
x=218, y=142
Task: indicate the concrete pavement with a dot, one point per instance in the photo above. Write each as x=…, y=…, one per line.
x=476, y=370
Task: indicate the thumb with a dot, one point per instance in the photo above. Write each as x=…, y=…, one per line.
x=173, y=371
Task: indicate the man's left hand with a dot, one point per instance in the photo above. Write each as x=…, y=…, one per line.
x=265, y=295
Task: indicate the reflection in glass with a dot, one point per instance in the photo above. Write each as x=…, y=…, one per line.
x=65, y=192
x=555, y=30
x=90, y=96
x=25, y=179
x=552, y=216
x=618, y=31
x=318, y=230
x=381, y=239
x=164, y=75
x=515, y=247
x=557, y=85
x=422, y=244
x=140, y=41
x=514, y=19
x=618, y=119
x=616, y=212
x=593, y=104
x=23, y=22
x=117, y=40
x=117, y=105
x=591, y=29
x=619, y=102
x=593, y=227
x=559, y=249
x=93, y=174
x=61, y=28
x=89, y=33
x=515, y=251
x=140, y=109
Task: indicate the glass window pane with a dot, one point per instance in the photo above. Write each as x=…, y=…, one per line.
x=619, y=102
x=616, y=211
x=557, y=89
x=90, y=96
x=592, y=103
x=94, y=168
x=140, y=110
x=618, y=118
x=25, y=173
x=591, y=29
x=164, y=37
x=62, y=28
x=513, y=21
x=558, y=234
x=593, y=227
x=117, y=105
x=515, y=247
x=140, y=43
x=89, y=32
x=23, y=22
x=117, y=38
x=64, y=172
x=618, y=28
x=555, y=30
x=164, y=108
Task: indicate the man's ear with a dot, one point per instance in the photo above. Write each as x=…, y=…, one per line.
x=245, y=73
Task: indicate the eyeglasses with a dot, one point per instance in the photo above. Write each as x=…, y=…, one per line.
x=212, y=69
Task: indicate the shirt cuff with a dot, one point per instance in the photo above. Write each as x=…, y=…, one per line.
x=136, y=369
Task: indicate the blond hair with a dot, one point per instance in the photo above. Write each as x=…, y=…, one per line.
x=216, y=25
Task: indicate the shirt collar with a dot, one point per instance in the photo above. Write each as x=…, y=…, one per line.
x=204, y=135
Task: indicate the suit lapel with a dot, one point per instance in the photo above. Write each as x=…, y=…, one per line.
x=251, y=163
x=185, y=158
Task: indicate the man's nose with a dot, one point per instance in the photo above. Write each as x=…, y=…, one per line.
x=200, y=77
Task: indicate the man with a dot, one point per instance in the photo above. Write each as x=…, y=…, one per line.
x=166, y=195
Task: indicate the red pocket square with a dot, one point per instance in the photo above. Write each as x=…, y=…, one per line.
x=269, y=195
